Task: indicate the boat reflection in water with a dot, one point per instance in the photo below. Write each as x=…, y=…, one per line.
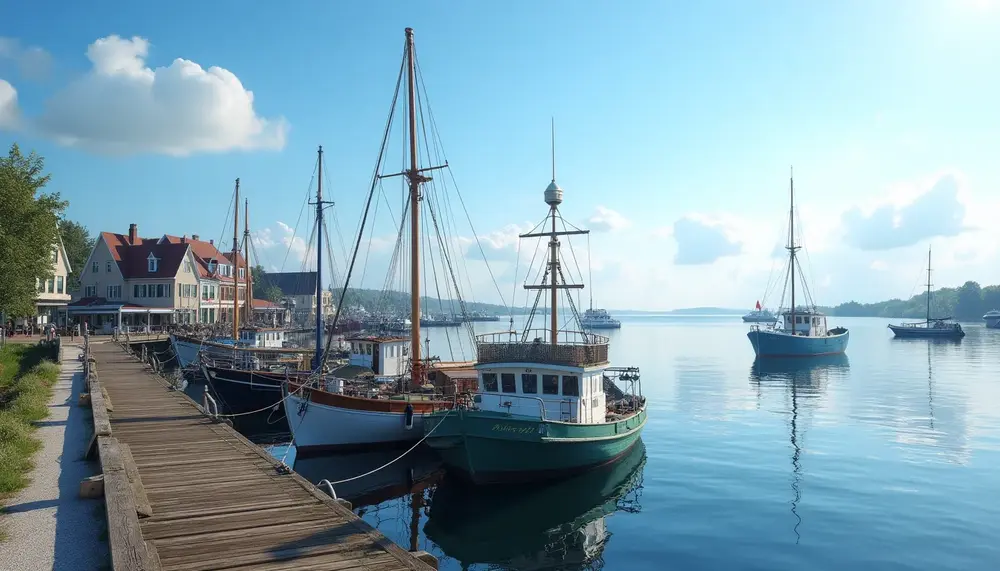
x=805, y=379
x=411, y=474
x=559, y=525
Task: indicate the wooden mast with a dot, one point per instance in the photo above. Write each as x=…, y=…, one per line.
x=236, y=251
x=318, y=355
x=247, y=295
x=928, y=284
x=554, y=252
x=791, y=241
x=415, y=178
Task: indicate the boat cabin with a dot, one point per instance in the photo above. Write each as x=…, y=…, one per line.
x=385, y=356
x=808, y=322
x=266, y=337
x=568, y=394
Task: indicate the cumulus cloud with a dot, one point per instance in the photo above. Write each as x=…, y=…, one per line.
x=702, y=241
x=32, y=61
x=607, y=220
x=9, y=113
x=124, y=106
x=936, y=212
x=497, y=246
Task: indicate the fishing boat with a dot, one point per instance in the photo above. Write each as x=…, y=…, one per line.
x=760, y=315
x=599, y=319
x=992, y=319
x=803, y=331
x=541, y=410
x=482, y=316
x=937, y=328
x=327, y=414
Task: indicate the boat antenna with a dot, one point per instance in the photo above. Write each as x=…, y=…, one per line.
x=590, y=274
x=236, y=252
x=928, y=283
x=553, y=149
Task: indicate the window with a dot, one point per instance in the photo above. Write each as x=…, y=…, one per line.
x=490, y=382
x=507, y=383
x=243, y=273
x=529, y=384
x=152, y=263
x=160, y=291
x=59, y=284
x=571, y=386
x=368, y=348
x=187, y=267
x=109, y=266
x=135, y=290
x=50, y=285
x=39, y=285
x=204, y=293
x=204, y=315
x=143, y=290
x=550, y=384
x=94, y=267
x=90, y=291
x=55, y=256
x=114, y=292
x=406, y=351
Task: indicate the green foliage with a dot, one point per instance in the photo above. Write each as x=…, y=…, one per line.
x=25, y=387
x=966, y=303
x=28, y=226
x=78, y=243
x=264, y=290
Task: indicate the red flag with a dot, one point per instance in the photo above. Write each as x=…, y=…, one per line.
x=758, y=305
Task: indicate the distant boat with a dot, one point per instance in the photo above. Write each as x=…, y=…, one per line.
x=599, y=319
x=440, y=321
x=803, y=331
x=937, y=328
x=481, y=316
x=760, y=315
x=992, y=319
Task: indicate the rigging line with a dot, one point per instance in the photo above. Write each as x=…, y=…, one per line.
x=225, y=226
x=590, y=273
x=437, y=289
x=513, y=295
x=329, y=254
x=451, y=272
x=295, y=228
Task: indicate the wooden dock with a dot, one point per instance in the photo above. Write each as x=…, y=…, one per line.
x=185, y=492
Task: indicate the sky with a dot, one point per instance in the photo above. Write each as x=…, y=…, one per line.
x=677, y=125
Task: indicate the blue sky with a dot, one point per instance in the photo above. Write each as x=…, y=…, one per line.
x=676, y=126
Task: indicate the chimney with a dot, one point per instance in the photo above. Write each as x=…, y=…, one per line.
x=211, y=241
x=133, y=234
x=194, y=236
x=184, y=239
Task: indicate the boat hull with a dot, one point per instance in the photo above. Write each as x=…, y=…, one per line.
x=322, y=422
x=493, y=448
x=778, y=344
x=598, y=325
x=926, y=332
x=748, y=319
x=241, y=391
x=992, y=322
x=186, y=349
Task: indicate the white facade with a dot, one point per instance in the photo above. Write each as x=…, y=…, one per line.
x=569, y=394
x=387, y=357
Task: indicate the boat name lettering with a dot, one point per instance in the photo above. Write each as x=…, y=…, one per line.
x=500, y=427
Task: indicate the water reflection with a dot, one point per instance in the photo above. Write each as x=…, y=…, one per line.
x=806, y=380
x=559, y=525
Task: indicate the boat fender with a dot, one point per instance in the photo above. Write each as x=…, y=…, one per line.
x=409, y=416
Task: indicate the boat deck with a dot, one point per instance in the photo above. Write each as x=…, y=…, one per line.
x=186, y=493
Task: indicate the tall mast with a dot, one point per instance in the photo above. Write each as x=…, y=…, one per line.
x=415, y=178
x=318, y=355
x=236, y=251
x=554, y=250
x=247, y=295
x=928, y=284
x=791, y=239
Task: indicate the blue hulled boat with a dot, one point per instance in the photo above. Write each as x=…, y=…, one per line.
x=803, y=331
x=936, y=328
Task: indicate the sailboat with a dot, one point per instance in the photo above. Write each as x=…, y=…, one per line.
x=341, y=413
x=247, y=346
x=937, y=328
x=541, y=410
x=804, y=330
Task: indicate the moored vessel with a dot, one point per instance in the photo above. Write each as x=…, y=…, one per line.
x=936, y=328
x=992, y=319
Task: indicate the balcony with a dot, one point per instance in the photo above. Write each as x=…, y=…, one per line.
x=573, y=348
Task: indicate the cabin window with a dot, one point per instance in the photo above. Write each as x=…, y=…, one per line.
x=490, y=382
x=507, y=383
x=571, y=386
x=529, y=384
x=550, y=384
x=798, y=319
x=368, y=348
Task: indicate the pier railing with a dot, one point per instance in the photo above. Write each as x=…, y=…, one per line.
x=572, y=348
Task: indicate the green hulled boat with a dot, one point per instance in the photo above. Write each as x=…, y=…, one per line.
x=547, y=403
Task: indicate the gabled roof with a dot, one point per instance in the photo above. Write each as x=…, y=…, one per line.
x=203, y=252
x=291, y=283
x=133, y=259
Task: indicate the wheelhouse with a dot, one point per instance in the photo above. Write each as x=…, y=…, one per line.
x=806, y=322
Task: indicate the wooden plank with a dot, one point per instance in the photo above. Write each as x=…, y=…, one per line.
x=142, y=507
x=102, y=422
x=107, y=400
x=128, y=549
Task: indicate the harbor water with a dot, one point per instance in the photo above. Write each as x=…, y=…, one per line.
x=886, y=458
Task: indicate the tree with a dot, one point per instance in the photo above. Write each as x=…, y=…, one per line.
x=969, y=302
x=29, y=222
x=78, y=243
x=263, y=288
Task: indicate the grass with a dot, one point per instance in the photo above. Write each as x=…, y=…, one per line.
x=26, y=379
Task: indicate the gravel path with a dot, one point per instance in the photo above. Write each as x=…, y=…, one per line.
x=48, y=526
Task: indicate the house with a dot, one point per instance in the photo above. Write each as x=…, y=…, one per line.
x=53, y=293
x=131, y=281
x=269, y=312
x=299, y=291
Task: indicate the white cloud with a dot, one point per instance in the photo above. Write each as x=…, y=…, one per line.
x=607, y=220
x=9, y=113
x=702, y=240
x=497, y=246
x=123, y=106
x=32, y=61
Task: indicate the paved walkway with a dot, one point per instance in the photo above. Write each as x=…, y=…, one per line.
x=48, y=526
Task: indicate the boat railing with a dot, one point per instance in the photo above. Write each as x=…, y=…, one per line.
x=511, y=403
x=572, y=348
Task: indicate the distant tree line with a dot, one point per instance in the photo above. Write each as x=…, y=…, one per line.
x=966, y=303
x=399, y=302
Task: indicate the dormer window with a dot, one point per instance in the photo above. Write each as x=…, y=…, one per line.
x=211, y=266
x=153, y=263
